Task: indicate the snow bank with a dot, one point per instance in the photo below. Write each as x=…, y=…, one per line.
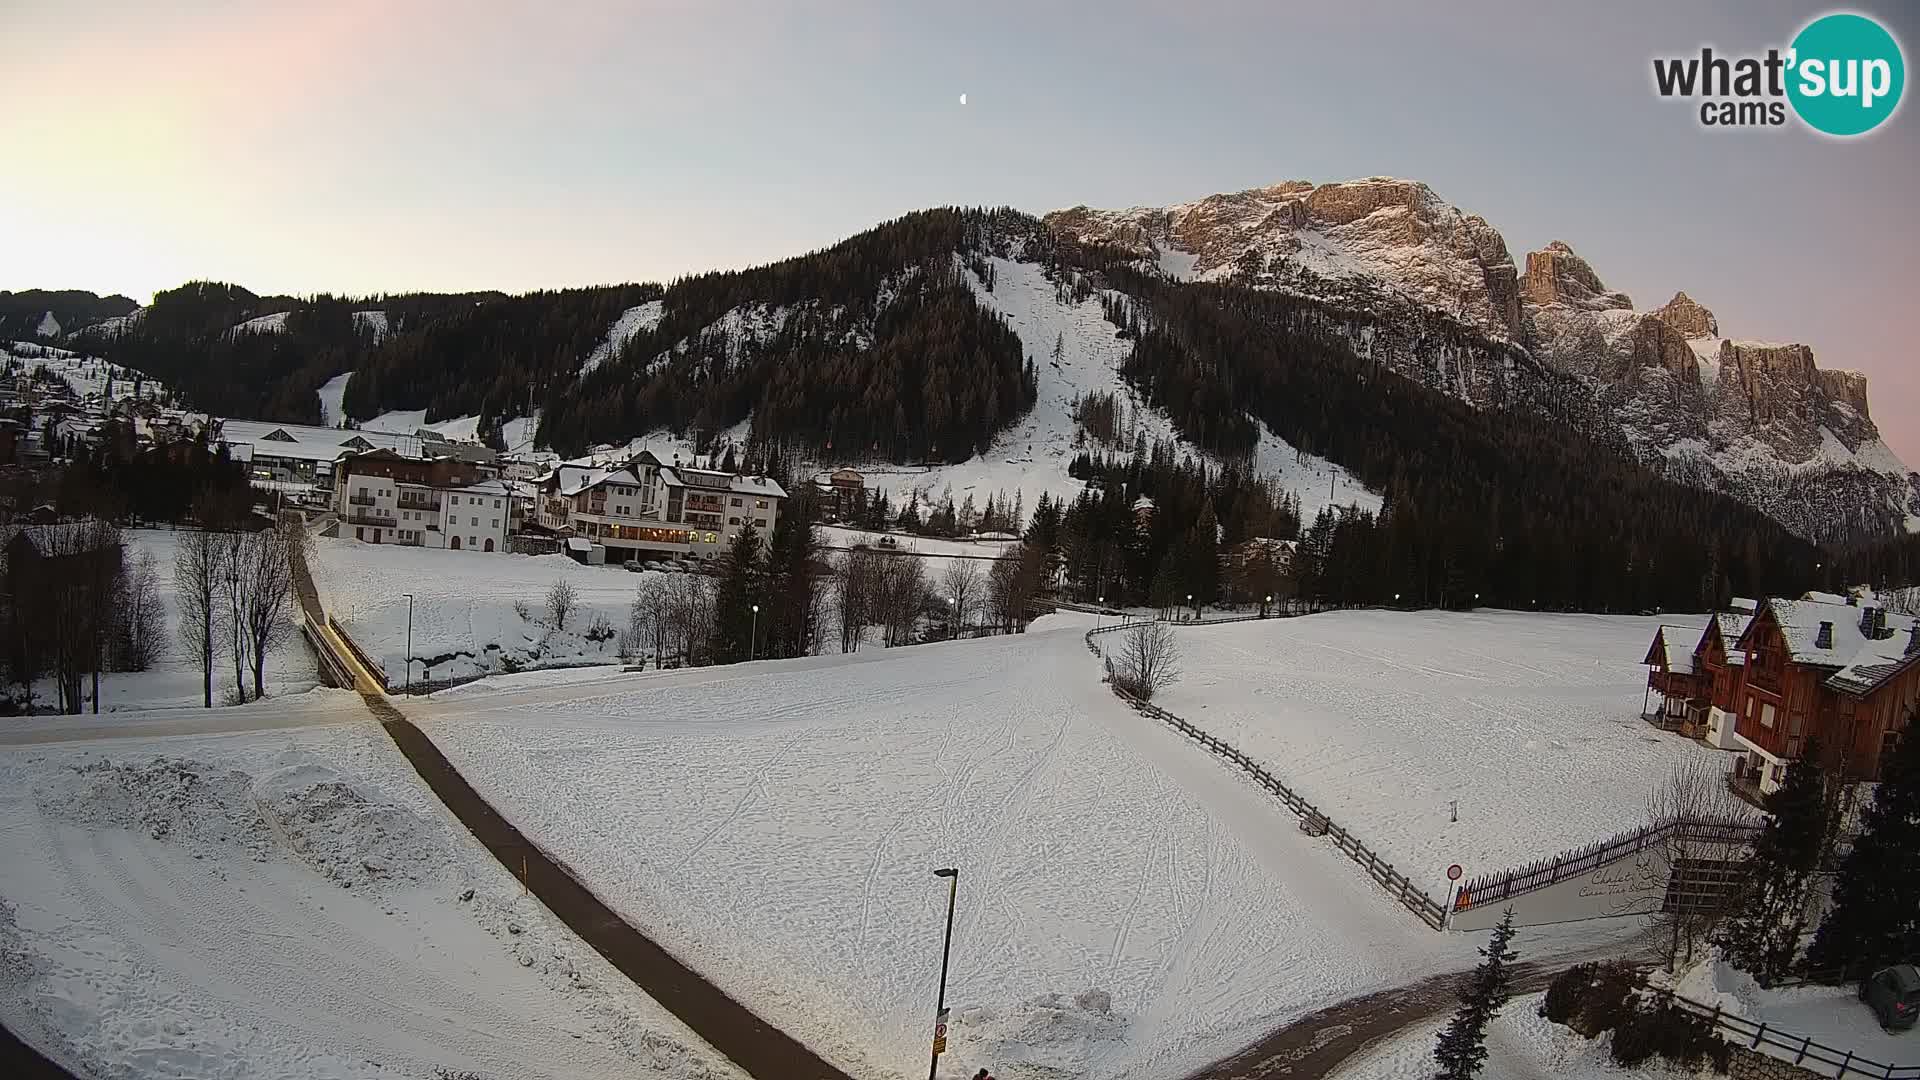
x=1521, y=1045
x=1125, y=906
x=1833, y=1015
x=1530, y=722
x=291, y=905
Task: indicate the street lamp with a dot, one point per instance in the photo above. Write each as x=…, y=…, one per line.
x=940, y=1006
x=409, y=597
x=753, y=635
x=1196, y=611
x=1100, y=617
x=1267, y=603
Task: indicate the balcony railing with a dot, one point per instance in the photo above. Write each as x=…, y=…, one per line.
x=419, y=504
x=361, y=500
x=369, y=517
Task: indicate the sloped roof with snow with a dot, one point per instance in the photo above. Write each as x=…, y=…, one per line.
x=307, y=442
x=1877, y=662
x=1675, y=644
x=1800, y=622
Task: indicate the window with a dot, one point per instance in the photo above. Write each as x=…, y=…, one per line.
x=496, y=504
x=472, y=540
x=733, y=521
x=759, y=504
x=760, y=523
x=1766, y=716
x=495, y=523
x=456, y=499
x=474, y=522
x=736, y=502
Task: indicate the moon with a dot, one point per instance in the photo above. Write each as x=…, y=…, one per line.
x=963, y=99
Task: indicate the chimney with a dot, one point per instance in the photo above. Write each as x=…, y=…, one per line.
x=1824, y=639
x=1852, y=600
x=1913, y=638
x=1873, y=623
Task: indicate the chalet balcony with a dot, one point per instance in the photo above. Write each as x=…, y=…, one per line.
x=1746, y=786
x=371, y=517
x=361, y=500
x=419, y=504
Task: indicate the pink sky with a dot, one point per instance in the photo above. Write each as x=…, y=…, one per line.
x=363, y=147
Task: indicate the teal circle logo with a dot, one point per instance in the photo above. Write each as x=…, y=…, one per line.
x=1847, y=74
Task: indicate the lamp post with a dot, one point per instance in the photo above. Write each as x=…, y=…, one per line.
x=753, y=635
x=409, y=597
x=1196, y=611
x=1265, y=604
x=1100, y=617
x=940, y=1006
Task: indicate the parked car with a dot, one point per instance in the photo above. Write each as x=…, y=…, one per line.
x=1894, y=996
x=636, y=565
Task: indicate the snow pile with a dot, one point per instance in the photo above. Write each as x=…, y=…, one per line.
x=467, y=623
x=634, y=320
x=290, y=905
x=1051, y=1035
x=776, y=825
x=1385, y=719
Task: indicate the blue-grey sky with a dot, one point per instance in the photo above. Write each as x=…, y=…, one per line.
x=362, y=146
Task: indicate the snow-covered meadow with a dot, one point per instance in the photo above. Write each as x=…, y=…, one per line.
x=296, y=905
x=464, y=617
x=1126, y=907
x=1531, y=722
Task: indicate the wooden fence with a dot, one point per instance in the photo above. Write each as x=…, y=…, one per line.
x=376, y=670
x=1501, y=886
x=1798, y=1050
x=1312, y=820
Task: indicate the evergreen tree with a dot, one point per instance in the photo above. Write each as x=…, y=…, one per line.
x=1875, y=918
x=1764, y=936
x=1463, y=1045
x=1202, y=557
x=742, y=585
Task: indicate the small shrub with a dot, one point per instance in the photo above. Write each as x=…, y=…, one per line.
x=521, y=609
x=1636, y=1037
x=600, y=629
x=1688, y=1040
x=1568, y=991
x=510, y=663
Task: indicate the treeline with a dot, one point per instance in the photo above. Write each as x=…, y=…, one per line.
x=21, y=313
x=1505, y=503
x=119, y=481
x=873, y=347
x=73, y=607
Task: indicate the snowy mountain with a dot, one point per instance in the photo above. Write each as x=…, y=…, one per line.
x=1759, y=421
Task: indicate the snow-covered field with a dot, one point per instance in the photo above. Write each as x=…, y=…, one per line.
x=291, y=905
x=464, y=622
x=175, y=681
x=1125, y=907
x=1530, y=721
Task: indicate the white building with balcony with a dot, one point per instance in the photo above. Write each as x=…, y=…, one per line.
x=646, y=510
x=384, y=498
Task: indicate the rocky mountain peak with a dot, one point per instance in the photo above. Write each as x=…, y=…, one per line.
x=1555, y=275
x=1685, y=314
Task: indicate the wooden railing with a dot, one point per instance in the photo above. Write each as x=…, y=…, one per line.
x=1312, y=819
x=1798, y=1050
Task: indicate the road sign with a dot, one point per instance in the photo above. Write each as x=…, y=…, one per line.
x=940, y=1033
x=1453, y=872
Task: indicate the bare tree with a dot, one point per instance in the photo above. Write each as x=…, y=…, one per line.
x=689, y=624
x=267, y=608
x=646, y=620
x=562, y=598
x=962, y=584
x=235, y=597
x=197, y=571
x=1149, y=660
x=854, y=580
x=1698, y=895
x=901, y=597
x=142, y=628
x=1012, y=583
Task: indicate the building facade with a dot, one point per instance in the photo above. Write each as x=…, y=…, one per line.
x=646, y=510
x=383, y=497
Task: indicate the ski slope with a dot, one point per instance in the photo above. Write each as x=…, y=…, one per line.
x=87, y=375
x=1531, y=722
x=1032, y=456
x=332, y=392
x=1125, y=908
x=293, y=905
